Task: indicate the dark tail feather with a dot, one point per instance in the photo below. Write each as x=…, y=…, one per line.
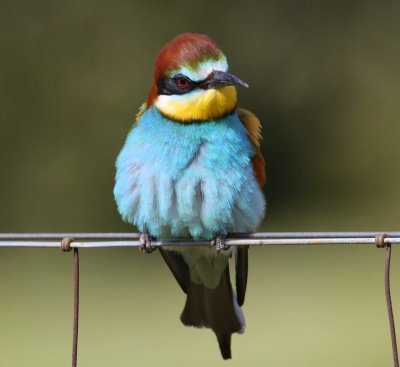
x=216, y=309
x=224, y=341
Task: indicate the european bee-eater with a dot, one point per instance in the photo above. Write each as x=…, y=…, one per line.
x=191, y=167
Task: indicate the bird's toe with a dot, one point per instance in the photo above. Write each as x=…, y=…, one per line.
x=145, y=243
x=219, y=243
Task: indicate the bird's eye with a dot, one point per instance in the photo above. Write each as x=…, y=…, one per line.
x=182, y=82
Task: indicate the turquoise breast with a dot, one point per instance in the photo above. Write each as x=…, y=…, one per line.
x=188, y=180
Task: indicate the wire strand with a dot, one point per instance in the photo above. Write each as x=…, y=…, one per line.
x=132, y=236
x=76, y=309
x=389, y=305
x=96, y=240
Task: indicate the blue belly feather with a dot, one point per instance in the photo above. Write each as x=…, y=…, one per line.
x=188, y=180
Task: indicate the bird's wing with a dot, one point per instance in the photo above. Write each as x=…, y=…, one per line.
x=178, y=267
x=241, y=265
x=140, y=112
x=253, y=127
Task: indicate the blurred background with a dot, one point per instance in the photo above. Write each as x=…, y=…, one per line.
x=325, y=83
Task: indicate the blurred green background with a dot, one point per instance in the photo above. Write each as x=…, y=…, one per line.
x=325, y=82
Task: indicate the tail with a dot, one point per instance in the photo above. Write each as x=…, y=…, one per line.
x=216, y=309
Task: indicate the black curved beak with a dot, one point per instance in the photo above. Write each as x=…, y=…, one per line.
x=219, y=79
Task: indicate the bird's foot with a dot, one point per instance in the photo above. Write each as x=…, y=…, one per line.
x=219, y=243
x=145, y=243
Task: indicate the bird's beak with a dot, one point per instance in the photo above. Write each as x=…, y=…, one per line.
x=219, y=79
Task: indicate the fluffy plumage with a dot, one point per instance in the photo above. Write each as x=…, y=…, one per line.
x=191, y=166
x=195, y=180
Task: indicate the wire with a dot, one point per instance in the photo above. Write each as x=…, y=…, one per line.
x=96, y=240
x=69, y=241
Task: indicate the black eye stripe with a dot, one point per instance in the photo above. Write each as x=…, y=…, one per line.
x=169, y=86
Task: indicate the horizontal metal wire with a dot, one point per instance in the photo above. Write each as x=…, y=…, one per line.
x=96, y=240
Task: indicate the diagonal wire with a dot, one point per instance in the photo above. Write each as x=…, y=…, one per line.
x=389, y=305
x=76, y=309
x=381, y=241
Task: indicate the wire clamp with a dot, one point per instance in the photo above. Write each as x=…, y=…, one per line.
x=380, y=240
x=66, y=244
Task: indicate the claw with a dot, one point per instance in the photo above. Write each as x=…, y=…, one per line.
x=145, y=243
x=219, y=243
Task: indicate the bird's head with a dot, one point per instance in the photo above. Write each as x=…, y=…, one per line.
x=191, y=80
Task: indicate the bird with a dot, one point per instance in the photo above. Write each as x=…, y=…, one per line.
x=191, y=167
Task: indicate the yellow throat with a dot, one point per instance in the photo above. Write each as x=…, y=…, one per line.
x=203, y=104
